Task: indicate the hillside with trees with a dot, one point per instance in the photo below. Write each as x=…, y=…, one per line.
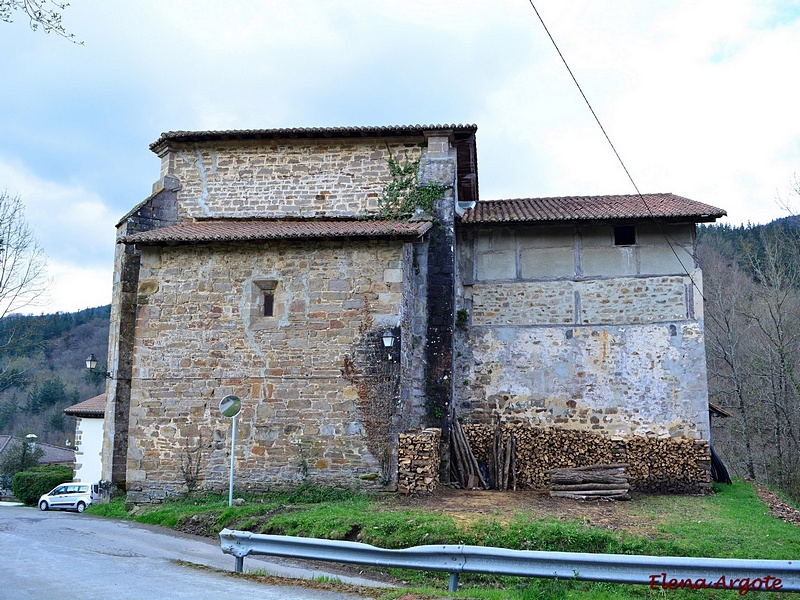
x=43, y=371
x=752, y=323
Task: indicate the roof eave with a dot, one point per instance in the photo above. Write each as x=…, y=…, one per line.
x=303, y=133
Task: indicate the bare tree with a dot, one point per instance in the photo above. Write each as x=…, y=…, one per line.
x=44, y=14
x=727, y=293
x=22, y=261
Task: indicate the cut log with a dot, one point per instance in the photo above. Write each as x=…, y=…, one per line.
x=590, y=493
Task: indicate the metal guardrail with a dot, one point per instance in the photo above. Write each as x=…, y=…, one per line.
x=659, y=572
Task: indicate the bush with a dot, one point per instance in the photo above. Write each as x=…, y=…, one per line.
x=29, y=485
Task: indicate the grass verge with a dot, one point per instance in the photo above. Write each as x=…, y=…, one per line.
x=732, y=523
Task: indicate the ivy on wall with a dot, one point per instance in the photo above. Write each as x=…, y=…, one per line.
x=404, y=195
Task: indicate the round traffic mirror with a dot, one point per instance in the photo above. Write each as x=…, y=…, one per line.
x=230, y=406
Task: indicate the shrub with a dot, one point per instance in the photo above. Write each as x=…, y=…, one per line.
x=29, y=485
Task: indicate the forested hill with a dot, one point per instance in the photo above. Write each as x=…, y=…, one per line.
x=751, y=287
x=43, y=371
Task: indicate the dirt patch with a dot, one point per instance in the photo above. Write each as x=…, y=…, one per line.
x=468, y=506
x=778, y=508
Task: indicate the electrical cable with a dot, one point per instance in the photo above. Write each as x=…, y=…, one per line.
x=614, y=149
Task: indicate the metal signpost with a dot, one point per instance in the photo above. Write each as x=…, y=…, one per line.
x=230, y=406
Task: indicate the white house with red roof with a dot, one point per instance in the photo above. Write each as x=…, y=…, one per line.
x=88, y=445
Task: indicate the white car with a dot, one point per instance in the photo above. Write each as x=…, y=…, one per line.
x=74, y=495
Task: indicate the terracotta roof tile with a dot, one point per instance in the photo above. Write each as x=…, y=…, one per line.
x=52, y=454
x=93, y=407
x=306, y=132
x=592, y=208
x=229, y=230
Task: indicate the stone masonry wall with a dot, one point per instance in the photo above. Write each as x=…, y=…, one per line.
x=199, y=339
x=279, y=179
x=606, y=301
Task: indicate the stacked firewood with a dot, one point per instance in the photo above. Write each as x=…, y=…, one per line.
x=669, y=465
x=593, y=482
x=418, y=461
x=662, y=465
x=537, y=451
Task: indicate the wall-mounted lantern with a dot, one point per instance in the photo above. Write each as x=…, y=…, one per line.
x=388, y=339
x=91, y=366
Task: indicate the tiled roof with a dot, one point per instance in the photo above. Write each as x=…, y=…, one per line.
x=591, y=208
x=93, y=407
x=230, y=230
x=52, y=454
x=306, y=132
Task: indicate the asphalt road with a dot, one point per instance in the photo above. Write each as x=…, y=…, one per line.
x=49, y=555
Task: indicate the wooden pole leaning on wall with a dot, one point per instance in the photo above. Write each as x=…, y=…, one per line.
x=464, y=468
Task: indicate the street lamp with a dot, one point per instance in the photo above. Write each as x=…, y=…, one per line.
x=91, y=366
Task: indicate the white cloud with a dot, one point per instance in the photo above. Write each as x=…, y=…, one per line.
x=76, y=231
x=699, y=98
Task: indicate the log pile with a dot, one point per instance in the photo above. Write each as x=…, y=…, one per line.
x=537, y=451
x=594, y=482
x=669, y=465
x=660, y=465
x=418, y=461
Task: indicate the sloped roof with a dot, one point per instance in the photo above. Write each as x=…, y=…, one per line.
x=93, y=407
x=664, y=206
x=306, y=132
x=52, y=454
x=229, y=230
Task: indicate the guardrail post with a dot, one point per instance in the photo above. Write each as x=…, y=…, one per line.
x=453, y=586
x=240, y=564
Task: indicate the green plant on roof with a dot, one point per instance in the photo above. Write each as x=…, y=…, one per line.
x=404, y=194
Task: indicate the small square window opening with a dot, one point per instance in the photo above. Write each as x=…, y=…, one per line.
x=625, y=235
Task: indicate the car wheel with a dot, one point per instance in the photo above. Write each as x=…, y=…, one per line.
x=81, y=506
x=43, y=505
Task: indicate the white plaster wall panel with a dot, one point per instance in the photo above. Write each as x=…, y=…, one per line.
x=599, y=236
x=503, y=240
x=496, y=265
x=558, y=237
x=651, y=234
x=547, y=262
x=663, y=259
x=609, y=261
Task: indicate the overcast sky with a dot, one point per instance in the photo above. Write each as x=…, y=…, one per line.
x=700, y=98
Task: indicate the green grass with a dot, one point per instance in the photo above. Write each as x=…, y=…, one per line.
x=732, y=523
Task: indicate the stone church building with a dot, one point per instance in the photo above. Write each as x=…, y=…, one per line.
x=266, y=265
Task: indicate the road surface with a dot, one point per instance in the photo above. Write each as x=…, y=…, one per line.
x=47, y=555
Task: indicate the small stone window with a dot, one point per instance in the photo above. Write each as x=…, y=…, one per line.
x=625, y=235
x=263, y=298
x=269, y=304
